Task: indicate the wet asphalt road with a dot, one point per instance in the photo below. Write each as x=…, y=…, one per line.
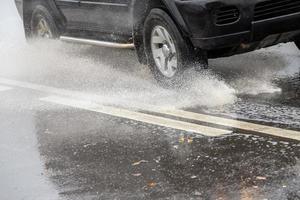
x=51, y=151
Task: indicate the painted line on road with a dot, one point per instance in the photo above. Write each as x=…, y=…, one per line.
x=137, y=116
x=267, y=130
x=4, y=88
x=43, y=88
x=238, y=124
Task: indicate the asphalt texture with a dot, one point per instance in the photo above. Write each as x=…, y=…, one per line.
x=51, y=151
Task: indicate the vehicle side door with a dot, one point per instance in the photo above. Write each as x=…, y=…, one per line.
x=107, y=16
x=71, y=11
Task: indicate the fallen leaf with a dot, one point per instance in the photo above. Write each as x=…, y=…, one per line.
x=152, y=184
x=189, y=140
x=139, y=162
x=181, y=139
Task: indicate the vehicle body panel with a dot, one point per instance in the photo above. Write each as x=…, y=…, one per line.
x=123, y=20
x=19, y=5
x=199, y=16
x=106, y=16
x=70, y=9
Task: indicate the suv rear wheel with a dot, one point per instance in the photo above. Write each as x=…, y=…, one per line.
x=167, y=51
x=43, y=24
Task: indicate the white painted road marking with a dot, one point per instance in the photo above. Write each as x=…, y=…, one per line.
x=137, y=116
x=247, y=126
x=4, y=88
x=46, y=89
x=268, y=130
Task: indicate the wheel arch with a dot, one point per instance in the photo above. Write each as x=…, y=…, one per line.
x=28, y=8
x=140, y=13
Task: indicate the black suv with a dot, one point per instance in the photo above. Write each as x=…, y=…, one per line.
x=168, y=35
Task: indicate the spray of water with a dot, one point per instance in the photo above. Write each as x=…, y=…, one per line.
x=114, y=75
x=117, y=78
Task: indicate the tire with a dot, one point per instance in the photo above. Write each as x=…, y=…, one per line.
x=297, y=42
x=159, y=21
x=41, y=16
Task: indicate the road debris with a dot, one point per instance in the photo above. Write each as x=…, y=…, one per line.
x=183, y=139
x=137, y=174
x=151, y=184
x=261, y=178
x=139, y=162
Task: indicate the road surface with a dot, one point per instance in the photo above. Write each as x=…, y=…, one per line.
x=79, y=122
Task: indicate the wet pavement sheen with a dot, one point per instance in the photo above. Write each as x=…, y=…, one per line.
x=137, y=161
x=75, y=154
x=86, y=155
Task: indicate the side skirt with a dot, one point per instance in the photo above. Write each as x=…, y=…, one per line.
x=97, y=42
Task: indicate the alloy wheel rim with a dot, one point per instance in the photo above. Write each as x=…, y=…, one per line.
x=164, y=51
x=43, y=30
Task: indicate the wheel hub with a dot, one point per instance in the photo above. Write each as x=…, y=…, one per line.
x=166, y=50
x=43, y=29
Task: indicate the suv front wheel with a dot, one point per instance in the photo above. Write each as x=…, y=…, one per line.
x=167, y=51
x=297, y=42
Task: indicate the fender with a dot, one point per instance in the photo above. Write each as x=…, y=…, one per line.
x=176, y=16
x=28, y=7
x=139, y=12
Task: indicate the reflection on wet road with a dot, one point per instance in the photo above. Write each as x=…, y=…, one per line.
x=93, y=158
